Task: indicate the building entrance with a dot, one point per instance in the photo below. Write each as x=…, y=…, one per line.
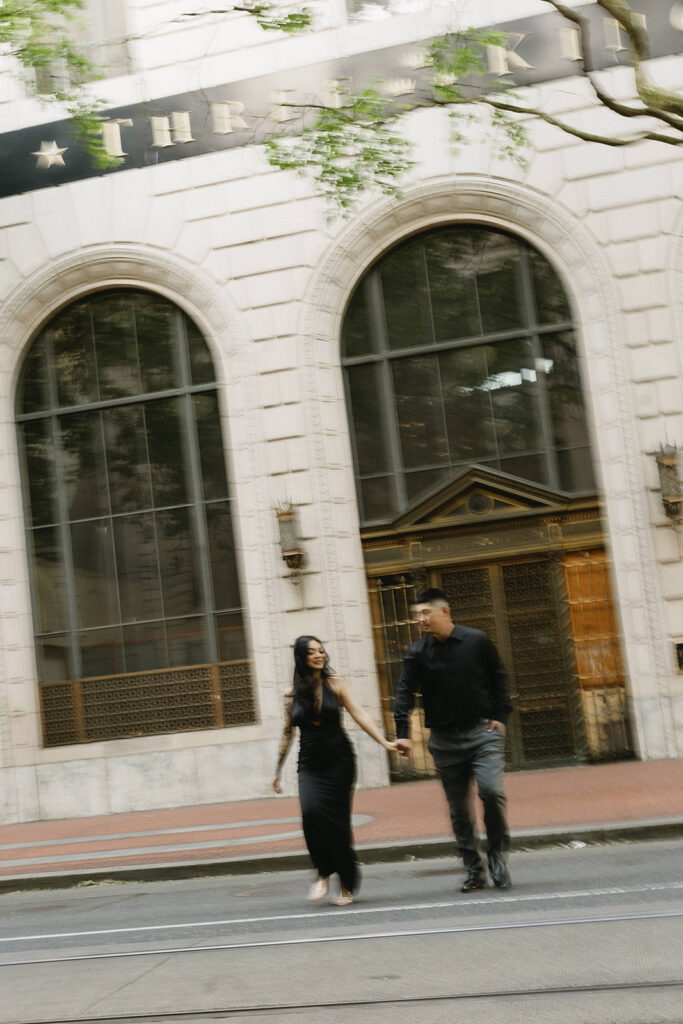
x=549, y=612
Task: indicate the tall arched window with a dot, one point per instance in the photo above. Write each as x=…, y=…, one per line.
x=458, y=348
x=137, y=608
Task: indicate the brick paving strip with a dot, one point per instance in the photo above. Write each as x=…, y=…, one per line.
x=639, y=797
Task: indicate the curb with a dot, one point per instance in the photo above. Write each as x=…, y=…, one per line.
x=379, y=853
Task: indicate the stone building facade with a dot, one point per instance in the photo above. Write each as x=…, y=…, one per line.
x=250, y=283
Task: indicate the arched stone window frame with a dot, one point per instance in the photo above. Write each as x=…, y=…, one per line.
x=509, y=343
x=585, y=274
x=32, y=304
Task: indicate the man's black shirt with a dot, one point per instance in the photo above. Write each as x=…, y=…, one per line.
x=461, y=679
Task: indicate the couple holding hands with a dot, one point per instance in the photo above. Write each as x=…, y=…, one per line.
x=464, y=692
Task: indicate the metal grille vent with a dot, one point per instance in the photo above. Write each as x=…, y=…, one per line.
x=147, y=703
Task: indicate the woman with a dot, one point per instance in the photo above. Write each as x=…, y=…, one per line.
x=326, y=765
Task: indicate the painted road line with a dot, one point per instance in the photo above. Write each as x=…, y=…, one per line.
x=363, y=937
x=482, y=900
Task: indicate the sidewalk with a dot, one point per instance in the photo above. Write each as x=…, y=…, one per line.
x=591, y=803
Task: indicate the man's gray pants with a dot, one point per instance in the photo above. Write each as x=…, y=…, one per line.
x=463, y=755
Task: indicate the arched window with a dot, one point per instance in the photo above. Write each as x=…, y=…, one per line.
x=137, y=608
x=458, y=348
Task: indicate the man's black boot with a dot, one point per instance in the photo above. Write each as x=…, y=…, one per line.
x=499, y=872
x=476, y=879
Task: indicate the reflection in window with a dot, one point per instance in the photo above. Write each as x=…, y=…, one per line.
x=458, y=349
x=129, y=515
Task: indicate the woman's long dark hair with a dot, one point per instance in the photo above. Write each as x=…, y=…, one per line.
x=304, y=682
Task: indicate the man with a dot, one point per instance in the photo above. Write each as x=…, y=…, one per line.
x=465, y=699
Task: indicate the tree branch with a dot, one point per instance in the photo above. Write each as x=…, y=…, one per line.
x=605, y=140
x=608, y=101
x=391, y=117
x=653, y=96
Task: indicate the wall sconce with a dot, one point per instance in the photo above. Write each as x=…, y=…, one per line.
x=290, y=545
x=670, y=481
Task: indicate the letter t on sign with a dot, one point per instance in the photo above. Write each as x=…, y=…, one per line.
x=111, y=135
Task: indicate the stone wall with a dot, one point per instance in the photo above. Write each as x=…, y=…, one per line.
x=252, y=256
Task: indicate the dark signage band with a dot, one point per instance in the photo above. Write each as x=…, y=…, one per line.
x=539, y=49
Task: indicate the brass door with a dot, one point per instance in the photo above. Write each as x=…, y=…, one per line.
x=552, y=621
x=517, y=605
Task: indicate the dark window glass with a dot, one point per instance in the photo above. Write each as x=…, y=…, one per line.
x=187, y=642
x=452, y=284
x=379, y=498
x=73, y=356
x=128, y=469
x=144, y=646
x=419, y=408
x=137, y=566
x=358, y=337
x=167, y=444
x=33, y=388
x=563, y=382
x=468, y=404
x=94, y=574
x=501, y=386
x=39, y=455
x=576, y=470
x=83, y=466
x=222, y=556
x=101, y=652
x=528, y=467
x=552, y=306
x=128, y=504
x=178, y=556
x=201, y=363
x=499, y=283
x=419, y=484
x=232, y=640
x=513, y=389
x=49, y=581
x=156, y=328
x=207, y=418
x=53, y=658
x=118, y=368
x=406, y=297
x=369, y=418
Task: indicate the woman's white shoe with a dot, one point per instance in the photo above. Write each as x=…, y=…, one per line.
x=343, y=899
x=318, y=890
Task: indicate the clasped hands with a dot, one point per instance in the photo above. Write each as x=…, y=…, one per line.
x=404, y=746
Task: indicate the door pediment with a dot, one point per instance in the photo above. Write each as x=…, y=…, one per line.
x=477, y=494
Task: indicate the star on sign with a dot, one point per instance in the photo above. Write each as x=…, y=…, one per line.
x=49, y=154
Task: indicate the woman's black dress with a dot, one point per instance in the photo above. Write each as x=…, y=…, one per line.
x=327, y=771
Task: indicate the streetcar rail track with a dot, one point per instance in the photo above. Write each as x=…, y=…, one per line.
x=359, y=937
x=177, y=1017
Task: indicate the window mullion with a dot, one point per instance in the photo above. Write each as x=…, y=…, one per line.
x=154, y=513
x=444, y=421
x=542, y=390
x=379, y=325
x=113, y=403
x=63, y=520
x=354, y=445
x=193, y=462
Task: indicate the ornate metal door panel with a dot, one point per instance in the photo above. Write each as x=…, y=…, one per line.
x=545, y=719
x=516, y=605
x=553, y=623
x=394, y=629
